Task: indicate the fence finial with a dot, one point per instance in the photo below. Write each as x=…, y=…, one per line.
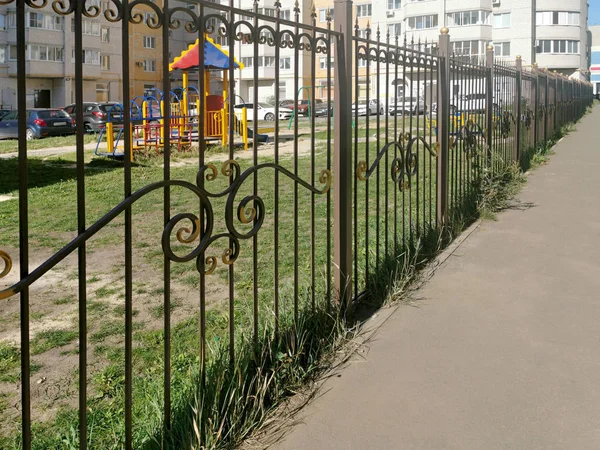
x=490, y=48
x=518, y=56
x=445, y=30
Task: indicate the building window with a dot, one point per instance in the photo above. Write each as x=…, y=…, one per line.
x=558, y=46
x=463, y=18
x=394, y=4
x=38, y=20
x=362, y=33
x=423, y=22
x=502, y=20
x=37, y=52
x=323, y=62
x=502, y=49
x=323, y=14
x=557, y=18
x=266, y=61
x=149, y=17
x=282, y=89
x=2, y=55
x=87, y=27
x=267, y=11
x=2, y=21
x=149, y=65
x=467, y=48
x=105, y=64
x=285, y=14
x=362, y=63
x=285, y=63
x=88, y=57
x=394, y=29
x=364, y=10
x=149, y=42
x=247, y=62
x=105, y=33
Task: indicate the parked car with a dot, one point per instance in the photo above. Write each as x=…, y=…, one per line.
x=322, y=108
x=95, y=114
x=406, y=106
x=289, y=104
x=375, y=107
x=264, y=111
x=41, y=123
x=4, y=111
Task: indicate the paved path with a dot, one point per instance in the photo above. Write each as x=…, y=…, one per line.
x=502, y=348
x=51, y=151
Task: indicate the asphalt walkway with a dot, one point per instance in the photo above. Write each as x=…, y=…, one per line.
x=501, y=348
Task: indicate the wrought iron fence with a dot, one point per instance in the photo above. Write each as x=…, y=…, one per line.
x=299, y=225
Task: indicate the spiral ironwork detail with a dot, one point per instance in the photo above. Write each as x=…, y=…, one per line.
x=7, y=263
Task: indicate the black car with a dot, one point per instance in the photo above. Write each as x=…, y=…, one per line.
x=95, y=114
x=322, y=108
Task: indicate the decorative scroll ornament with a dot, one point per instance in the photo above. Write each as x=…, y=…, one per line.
x=7, y=263
x=249, y=211
x=404, y=166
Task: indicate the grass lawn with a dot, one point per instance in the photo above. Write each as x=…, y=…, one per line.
x=11, y=145
x=385, y=216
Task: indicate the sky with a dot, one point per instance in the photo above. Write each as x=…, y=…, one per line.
x=594, y=12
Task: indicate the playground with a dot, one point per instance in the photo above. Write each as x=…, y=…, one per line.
x=177, y=111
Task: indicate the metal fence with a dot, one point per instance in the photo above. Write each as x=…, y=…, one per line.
x=281, y=231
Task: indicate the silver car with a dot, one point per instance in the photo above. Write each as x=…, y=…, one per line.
x=374, y=107
x=406, y=106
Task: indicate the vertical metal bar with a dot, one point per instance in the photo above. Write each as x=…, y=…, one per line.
x=23, y=227
x=128, y=237
x=355, y=118
x=536, y=112
x=231, y=120
x=546, y=105
x=378, y=177
x=312, y=158
x=201, y=162
x=81, y=251
x=430, y=138
x=387, y=140
x=413, y=59
x=296, y=98
x=519, y=85
x=489, y=100
x=404, y=144
x=167, y=214
x=342, y=158
x=255, y=181
x=276, y=175
x=443, y=111
x=329, y=113
x=367, y=181
x=396, y=138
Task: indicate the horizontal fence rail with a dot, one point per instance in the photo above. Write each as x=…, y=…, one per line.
x=202, y=256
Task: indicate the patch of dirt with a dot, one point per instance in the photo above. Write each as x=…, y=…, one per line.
x=54, y=306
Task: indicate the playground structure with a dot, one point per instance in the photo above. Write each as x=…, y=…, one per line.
x=148, y=115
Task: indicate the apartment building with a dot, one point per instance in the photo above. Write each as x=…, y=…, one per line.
x=50, y=57
x=50, y=68
x=551, y=33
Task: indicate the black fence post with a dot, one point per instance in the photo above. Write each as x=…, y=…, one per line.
x=342, y=159
x=536, y=109
x=443, y=116
x=546, y=104
x=518, y=112
x=489, y=101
